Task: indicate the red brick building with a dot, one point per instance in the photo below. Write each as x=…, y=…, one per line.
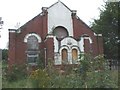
x=56, y=34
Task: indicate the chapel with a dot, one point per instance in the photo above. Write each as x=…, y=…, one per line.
x=56, y=34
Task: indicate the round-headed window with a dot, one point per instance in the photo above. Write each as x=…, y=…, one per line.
x=60, y=32
x=32, y=43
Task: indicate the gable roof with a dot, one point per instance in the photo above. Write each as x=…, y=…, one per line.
x=42, y=12
x=53, y=6
x=61, y=3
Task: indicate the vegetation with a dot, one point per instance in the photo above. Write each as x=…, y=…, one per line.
x=4, y=54
x=107, y=25
x=90, y=73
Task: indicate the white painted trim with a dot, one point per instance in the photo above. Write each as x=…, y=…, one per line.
x=81, y=44
x=59, y=15
x=12, y=31
x=49, y=36
x=89, y=39
x=32, y=34
x=68, y=52
x=36, y=55
x=97, y=34
x=55, y=44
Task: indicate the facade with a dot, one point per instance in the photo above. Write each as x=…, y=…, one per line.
x=56, y=34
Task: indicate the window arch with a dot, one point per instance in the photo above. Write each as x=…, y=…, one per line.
x=32, y=40
x=32, y=34
x=60, y=32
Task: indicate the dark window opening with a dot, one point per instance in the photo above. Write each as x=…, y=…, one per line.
x=60, y=32
x=32, y=43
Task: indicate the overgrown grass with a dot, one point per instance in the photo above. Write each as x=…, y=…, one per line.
x=61, y=81
x=22, y=83
x=51, y=78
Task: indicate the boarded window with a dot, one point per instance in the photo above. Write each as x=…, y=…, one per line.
x=74, y=54
x=64, y=55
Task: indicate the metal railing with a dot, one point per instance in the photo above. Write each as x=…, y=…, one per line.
x=112, y=64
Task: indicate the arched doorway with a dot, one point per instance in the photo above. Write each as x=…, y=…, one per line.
x=64, y=55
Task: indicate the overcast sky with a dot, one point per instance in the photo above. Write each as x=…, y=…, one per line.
x=14, y=11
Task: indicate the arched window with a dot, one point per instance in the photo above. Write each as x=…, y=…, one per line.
x=74, y=55
x=32, y=43
x=64, y=55
x=32, y=49
x=60, y=32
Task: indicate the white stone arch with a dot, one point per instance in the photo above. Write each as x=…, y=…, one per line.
x=76, y=47
x=60, y=52
x=81, y=42
x=89, y=38
x=63, y=47
x=32, y=34
x=86, y=36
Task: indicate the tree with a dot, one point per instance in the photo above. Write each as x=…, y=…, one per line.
x=107, y=25
x=1, y=23
x=4, y=54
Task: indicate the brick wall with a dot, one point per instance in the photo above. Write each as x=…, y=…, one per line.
x=17, y=46
x=80, y=28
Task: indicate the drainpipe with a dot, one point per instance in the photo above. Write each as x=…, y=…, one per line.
x=45, y=57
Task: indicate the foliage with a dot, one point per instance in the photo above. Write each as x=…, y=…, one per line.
x=90, y=73
x=17, y=72
x=40, y=78
x=107, y=25
x=41, y=61
x=4, y=54
x=22, y=83
x=95, y=73
x=66, y=81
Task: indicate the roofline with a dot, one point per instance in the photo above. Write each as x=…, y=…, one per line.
x=12, y=30
x=42, y=12
x=85, y=24
x=29, y=21
x=62, y=3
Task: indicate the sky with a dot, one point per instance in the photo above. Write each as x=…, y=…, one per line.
x=21, y=11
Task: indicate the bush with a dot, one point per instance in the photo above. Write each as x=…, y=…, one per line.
x=17, y=72
x=40, y=78
x=94, y=73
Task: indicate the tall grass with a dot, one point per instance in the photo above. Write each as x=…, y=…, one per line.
x=90, y=77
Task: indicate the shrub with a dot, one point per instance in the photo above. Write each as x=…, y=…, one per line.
x=40, y=78
x=94, y=72
x=17, y=72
